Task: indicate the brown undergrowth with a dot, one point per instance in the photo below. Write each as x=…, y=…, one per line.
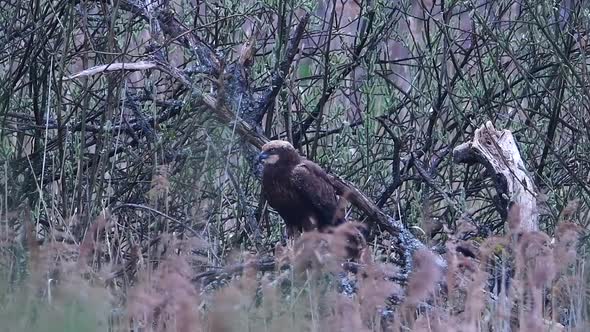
x=520, y=282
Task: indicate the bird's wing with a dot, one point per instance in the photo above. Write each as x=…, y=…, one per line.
x=311, y=182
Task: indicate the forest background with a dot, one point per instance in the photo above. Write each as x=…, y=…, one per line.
x=130, y=195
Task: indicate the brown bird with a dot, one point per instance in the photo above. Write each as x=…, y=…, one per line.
x=298, y=189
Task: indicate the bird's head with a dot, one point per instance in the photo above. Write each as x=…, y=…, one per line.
x=278, y=150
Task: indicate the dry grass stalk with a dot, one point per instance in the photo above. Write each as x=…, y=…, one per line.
x=305, y=297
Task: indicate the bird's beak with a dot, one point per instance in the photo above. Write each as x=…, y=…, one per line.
x=262, y=156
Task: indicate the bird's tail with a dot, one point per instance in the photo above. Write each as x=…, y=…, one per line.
x=353, y=234
x=339, y=217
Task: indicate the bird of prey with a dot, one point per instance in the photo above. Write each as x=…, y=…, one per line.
x=298, y=189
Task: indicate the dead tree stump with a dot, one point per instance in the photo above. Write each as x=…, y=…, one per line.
x=498, y=152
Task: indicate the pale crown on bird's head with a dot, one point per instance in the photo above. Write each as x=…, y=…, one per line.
x=271, y=150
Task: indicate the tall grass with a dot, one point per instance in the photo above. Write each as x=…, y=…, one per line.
x=520, y=282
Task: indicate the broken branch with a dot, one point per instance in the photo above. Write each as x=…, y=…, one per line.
x=498, y=152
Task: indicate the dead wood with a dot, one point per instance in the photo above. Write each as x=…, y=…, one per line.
x=498, y=152
x=233, y=106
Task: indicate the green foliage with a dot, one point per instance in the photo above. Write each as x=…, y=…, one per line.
x=23, y=310
x=375, y=90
